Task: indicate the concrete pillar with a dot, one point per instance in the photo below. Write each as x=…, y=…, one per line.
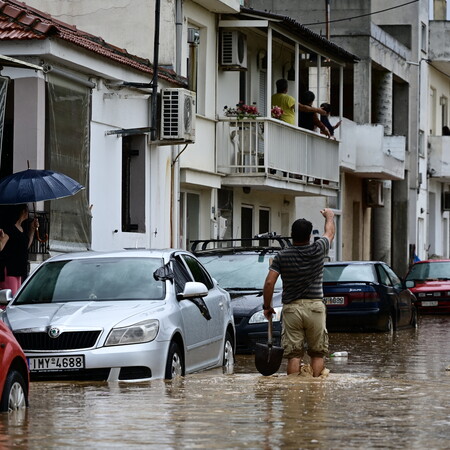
x=383, y=98
x=362, y=91
x=29, y=123
x=381, y=227
x=401, y=224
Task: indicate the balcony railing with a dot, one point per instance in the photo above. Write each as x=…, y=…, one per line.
x=267, y=147
x=439, y=157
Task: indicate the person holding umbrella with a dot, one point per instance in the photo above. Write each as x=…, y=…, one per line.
x=15, y=242
x=304, y=313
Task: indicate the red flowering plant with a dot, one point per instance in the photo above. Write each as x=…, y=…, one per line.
x=242, y=111
x=276, y=112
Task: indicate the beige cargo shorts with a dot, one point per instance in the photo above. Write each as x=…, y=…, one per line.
x=304, y=322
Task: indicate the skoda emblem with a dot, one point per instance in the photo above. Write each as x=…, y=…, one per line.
x=54, y=332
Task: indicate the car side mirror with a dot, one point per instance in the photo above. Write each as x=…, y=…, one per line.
x=410, y=283
x=193, y=289
x=5, y=296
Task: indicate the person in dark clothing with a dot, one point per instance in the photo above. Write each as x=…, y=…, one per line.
x=15, y=242
x=325, y=119
x=310, y=120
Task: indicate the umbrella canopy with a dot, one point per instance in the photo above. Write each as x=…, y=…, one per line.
x=36, y=185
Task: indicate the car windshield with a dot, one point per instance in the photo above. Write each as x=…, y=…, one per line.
x=94, y=279
x=430, y=271
x=240, y=270
x=349, y=272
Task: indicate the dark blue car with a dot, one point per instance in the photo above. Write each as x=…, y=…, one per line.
x=366, y=295
x=240, y=266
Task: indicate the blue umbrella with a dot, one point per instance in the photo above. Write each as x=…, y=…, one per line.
x=36, y=185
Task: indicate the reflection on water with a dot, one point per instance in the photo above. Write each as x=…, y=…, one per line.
x=392, y=391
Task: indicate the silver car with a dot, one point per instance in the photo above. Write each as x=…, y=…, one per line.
x=124, y=315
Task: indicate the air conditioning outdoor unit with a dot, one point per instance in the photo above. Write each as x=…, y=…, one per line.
x=374, y=193
x=177, y=115
x=233, y=50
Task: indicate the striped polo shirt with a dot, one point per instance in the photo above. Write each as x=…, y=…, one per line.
x=301, y=270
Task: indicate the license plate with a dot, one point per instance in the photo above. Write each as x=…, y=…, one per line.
x=431, y=303
x=334, y=300
x=55, y=363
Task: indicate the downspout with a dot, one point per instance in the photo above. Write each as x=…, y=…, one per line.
x=155, y=71
x=175, y=165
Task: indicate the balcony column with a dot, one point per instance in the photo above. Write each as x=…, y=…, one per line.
x=381, y=227
x=362, y=87
x=383, y=98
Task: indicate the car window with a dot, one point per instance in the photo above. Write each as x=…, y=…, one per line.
x=94, y=279
x=182, y=275
x=349, y=272
x=439, y=270
x=384, y=277
x=393, y=276
x=198, y=272
x=240, y=270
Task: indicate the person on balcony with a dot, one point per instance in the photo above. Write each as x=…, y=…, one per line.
x=287, y=103
x=16, y=242
x=310, y=119
x=326, y=121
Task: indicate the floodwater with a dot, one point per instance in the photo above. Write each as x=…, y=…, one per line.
x=392, y=391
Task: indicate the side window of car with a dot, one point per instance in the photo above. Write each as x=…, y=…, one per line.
x=394, y=278
x=181, y=275
x=198, y=271
x=384, y=277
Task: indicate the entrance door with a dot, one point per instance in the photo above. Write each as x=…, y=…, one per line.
x=246, y=222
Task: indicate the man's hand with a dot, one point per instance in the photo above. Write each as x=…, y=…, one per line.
x=268, y=313
x=327, y=213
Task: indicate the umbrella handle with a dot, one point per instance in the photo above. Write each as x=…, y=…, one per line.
x=269, y=330
x=45, y=239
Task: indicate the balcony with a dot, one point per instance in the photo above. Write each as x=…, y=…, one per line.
x=265, y=153
x=439, y=158
x=368, y=153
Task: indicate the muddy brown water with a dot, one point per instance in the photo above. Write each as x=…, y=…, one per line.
x=393, y=391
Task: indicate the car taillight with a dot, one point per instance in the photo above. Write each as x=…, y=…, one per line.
x=362, y=297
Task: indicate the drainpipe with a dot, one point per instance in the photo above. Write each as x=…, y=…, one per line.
x=155, y=71
x=178, y=35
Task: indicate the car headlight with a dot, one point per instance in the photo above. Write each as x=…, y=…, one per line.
x=258, y=317
x=134, y=334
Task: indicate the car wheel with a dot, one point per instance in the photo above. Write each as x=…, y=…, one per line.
x=14, y=393
x=228, y=351
x=175, y=364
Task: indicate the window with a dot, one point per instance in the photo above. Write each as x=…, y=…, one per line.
x=133, y=184
x=384, y=277
x=443, y=101
x=198, y=272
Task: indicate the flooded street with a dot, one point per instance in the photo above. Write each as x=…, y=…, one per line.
x=393, y=391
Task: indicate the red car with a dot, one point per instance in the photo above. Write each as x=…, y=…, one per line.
x=14, y=374
x=430, y=282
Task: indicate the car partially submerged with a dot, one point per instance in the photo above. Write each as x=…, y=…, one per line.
x=366, y=295
x=14, y=376
x=430, y=283
x=123, y=315
x=240, y=266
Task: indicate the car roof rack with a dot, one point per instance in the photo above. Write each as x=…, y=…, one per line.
x=283, y=242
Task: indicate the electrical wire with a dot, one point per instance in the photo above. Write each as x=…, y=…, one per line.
x=361, y=15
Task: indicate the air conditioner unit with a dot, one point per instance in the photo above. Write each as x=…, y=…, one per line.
x=233, y=50
x=446, y=201
x=177, y=115
x=374, y=193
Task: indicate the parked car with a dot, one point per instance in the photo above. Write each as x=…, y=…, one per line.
x=366, y=295
x=123, y=315
x=14, y=377
x=430, y=283
x=240, y=266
